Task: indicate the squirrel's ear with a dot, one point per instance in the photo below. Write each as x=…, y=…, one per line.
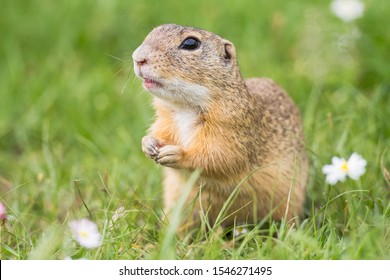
x=230, y=51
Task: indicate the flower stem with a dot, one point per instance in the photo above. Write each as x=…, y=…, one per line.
x=326, y=207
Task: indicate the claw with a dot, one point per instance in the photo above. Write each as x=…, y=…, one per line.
x=169, y=156
x=150, y=146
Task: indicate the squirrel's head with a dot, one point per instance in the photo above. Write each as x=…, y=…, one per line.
x=185, y=65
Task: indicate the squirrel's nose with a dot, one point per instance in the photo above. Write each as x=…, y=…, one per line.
x=139, y=56
x=140, y=62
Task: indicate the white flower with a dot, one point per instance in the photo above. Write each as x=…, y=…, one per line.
x=239, y=231
x=86, y=233
x=340, y=169
x=347, y=10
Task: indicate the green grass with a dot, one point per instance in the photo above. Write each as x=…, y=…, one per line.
x=72, y=115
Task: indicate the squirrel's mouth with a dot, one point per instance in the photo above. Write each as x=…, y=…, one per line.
x=151, y=84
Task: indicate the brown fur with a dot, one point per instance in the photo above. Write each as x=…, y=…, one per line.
x=237, y=127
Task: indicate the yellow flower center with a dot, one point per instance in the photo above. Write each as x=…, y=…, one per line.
x=344, y=167
x=84, y=234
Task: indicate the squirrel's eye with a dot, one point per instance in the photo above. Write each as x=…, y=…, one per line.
x=190, y=43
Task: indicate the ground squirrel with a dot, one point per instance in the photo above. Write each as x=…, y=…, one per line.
x=209, y=118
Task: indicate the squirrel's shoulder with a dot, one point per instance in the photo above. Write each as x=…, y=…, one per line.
x=267, y=88
x=273, y=96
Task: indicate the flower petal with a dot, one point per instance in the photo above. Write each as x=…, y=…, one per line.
x=336, y=161
x=356, y=166
x=347, y=10
x=86, y=233
x=3, y=213
x=333, y=172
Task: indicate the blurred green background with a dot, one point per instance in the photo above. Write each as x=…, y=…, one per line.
x=71, y=108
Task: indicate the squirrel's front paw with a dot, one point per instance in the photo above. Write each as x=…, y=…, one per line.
x=170, y=156
x=151, y=146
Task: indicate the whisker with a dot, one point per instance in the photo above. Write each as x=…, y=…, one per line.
x=114, y=57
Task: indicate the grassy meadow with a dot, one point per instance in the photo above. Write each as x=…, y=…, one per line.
x=72, y=115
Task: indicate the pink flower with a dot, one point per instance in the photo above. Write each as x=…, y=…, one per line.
x=3, y=213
